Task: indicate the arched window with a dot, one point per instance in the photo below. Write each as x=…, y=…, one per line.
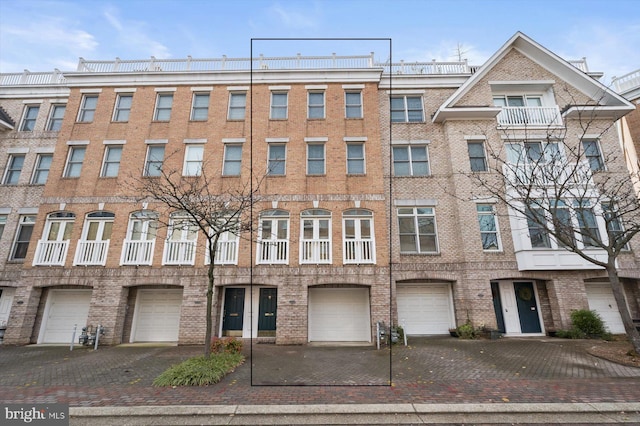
x=315, y=238
x=273, y=237
x=358, y=238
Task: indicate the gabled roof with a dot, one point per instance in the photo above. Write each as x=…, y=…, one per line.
x=6, y=122
x=610, y=103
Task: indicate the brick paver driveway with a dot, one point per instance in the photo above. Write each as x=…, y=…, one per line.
x=429, y=370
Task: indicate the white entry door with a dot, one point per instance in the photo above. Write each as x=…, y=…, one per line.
x=64, y=310
x=339, y=315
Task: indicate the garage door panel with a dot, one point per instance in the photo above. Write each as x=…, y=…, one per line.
x=339, y=315
x=601, y=300
x=424, y=309
x=157, y=316
x=66, y=309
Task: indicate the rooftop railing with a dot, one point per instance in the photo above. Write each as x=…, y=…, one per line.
x=627, y=81
x=28, y=78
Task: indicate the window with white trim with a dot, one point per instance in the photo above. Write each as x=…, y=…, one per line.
x=277, y=159
x=537, y=224
x=417, y=229
x=358, y=236
x=532, y=152
x=353, y=103
x=180, y=247
x=41, y=169
x=517, y=100
x=87, y=108
x=23, y=236
x=200, y=107
x=237, y=105
x=123, y=107
x=3, y=223
x=232, y=160
x=410, y=160
x=111, y=161
x=315, y=241
x=273, y=237
x=489, y=231
x=193, y=156
x=406, y=109
x=315, y=105
x=355, y=158
x=315, y=159
x=56, y=116
x=593, y=154
x=164, y=103
x=75, y=158
x=14, y=168
x=29, y=118
x=587, y=224
x=154, y=160
x=138, y=247
x=477, y=156
x=279, y=105
x=96, y=236
x=615, y=229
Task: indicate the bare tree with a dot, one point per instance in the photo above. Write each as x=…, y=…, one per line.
x=199, y=203
x=561, y=187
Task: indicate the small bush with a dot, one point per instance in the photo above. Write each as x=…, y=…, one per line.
x=200, y=371
x=227, y=344
x=466, y=331
x=589, y=323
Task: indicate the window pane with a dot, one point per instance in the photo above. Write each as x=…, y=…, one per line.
x=408, y=243
x=155, y=158
x=57, y=113
x=428, y=243
x=365, y=228
x=237, y=102
x=349, y=229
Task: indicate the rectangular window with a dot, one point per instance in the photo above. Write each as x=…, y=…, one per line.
x=87, y=108
x=536, y=222
x=23, y=235
x=193, y=160
x=279, y=102
x=277, y=159
x=29, y=119
x=41, y=170
x=55, y=119
x=417, y=228
x=410, y=161
x=355, y=159
x=588, y=227
x=488, y=227
x=315, y=159
x=123, y=107
x=155, y=158
x=3, y=223
x=163, y=107
x=200, y=108
x=614, y=224
x=237, y=106
x=111, y=163
x=14, y=168
x=562, y=224
x=232, y=160
x=353, y=104
x=593, y=155
x=316, y=105
x=533, y=153
x=74, y=161
x=406, y=109
x=477, y=158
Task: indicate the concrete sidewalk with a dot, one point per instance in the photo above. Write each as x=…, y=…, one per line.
x=409, y=382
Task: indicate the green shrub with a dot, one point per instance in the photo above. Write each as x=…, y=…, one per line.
x=589, y=323
x=200, y=371
x=226, y=344
x=466, y=331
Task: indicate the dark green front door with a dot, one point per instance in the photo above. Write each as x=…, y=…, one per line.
x=527, y=307
x=233, y=311
x=267, y=312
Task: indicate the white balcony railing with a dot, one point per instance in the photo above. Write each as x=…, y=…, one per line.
x=551, y=173
x=273, y=252
x=181, y=252
x=315, y=251
x=91, y=253
x=137, y=252
x=359, y=252
x=226, y=253
x=28, y=78
x=530, y=116
x=627, y=81
x=51, y=253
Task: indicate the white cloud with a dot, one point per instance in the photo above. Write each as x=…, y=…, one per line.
x=294, y=19
x=445, y=51
x=134, y=36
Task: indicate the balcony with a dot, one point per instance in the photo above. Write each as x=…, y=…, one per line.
x=51, y=253
x=529, y=116
x=273, y=252
x=226, y=253
x=137, y=252
x=315, y=251
x=555, y=172
x=557, y=260
x=179, y=252
x=359, y=252
x=91, y=253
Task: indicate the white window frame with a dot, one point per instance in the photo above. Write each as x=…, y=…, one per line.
x=276, y=160
x=108, y=164
x=38, y=170
x=28, y=123
x=235, y=109
x=312, y=108
x=228, y=148
x=317, y=159
x=53, y=247
x=317, y=249
x=54, y=123
x=69, y=164
x=410, y=161
x=352, y=107
x=93, y=249
x=13, y=170
x=195, y=109
x=274, y=108
x=415, y=213
x=159, y=111
x=140, y=250
x=599, y=157
x=227, y=248
x=523, y=155
x=184, y=232
x=119, y=110
x=3, y=223
x=87, y=113
x=358, y=249
x=494, y=217
x=485, y=164
x=271, y=249
x=24, y=221
x=153, y=161
x=359, y=159
x=193, y=164
x=406, y=109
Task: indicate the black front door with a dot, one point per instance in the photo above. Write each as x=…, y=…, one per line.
x=497, y=307
x=233, y=311
x=267, y=312
x=527, y=308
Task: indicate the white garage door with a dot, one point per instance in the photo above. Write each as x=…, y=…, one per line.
x=64, y=310
x=601, y=300
x=425, y=308
x=157, y=316
x=339, y=315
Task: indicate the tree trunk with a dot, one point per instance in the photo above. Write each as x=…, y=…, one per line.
x=207, y=334
x=618, y=294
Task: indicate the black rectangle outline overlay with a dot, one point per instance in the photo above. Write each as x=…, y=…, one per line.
x=251, y=204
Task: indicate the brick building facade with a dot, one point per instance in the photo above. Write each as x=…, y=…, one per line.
x=365, y=213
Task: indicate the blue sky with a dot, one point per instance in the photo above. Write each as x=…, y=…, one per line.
x=41, y=35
